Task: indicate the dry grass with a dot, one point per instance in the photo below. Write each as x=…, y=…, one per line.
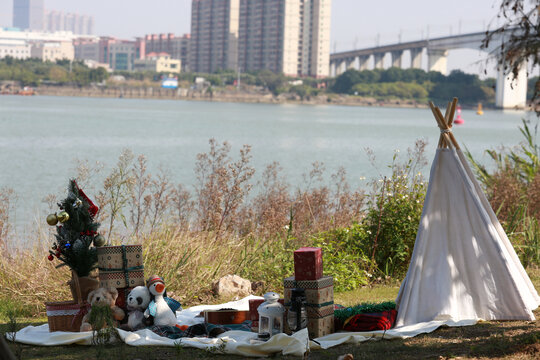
x=29, y=280
x=189, y=261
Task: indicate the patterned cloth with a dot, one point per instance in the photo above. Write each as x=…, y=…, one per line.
x=198, y=330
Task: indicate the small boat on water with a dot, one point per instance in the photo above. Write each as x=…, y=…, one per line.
x=26, y=91
x=479, y=111
x=458, y=120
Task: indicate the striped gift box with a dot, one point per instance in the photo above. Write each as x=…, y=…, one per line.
x=121, y=266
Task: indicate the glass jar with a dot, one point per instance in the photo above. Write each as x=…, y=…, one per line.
x=297, y=316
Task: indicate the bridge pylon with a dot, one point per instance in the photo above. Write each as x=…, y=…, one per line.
x=511, y=93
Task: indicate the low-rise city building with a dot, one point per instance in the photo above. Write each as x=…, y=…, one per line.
x=18, y=34
x=52, y=51
x=119, y=54
x=158, y=62
x=17, y=49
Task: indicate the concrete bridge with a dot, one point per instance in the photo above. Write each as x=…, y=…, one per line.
x=508, y=94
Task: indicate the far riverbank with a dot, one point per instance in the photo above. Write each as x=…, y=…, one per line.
x=229, y=95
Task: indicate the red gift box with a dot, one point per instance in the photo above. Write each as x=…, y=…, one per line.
x=308, y=263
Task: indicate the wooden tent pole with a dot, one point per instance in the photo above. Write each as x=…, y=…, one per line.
x=445, y=123
x=447, y=112
x=441, y=123
x=452, y=111
x=448, y=134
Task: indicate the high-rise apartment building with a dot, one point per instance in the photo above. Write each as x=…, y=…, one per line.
x=214, y=35
x=77, y=24
x=260, y=44
x=54, y=21
x=315, y=37
x=285, y=36
x=28, y=14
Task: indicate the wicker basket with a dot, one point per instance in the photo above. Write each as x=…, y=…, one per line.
x=66, y=315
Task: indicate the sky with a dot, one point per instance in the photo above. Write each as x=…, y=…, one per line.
x=355, y=23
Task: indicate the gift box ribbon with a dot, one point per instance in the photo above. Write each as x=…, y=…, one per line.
x=314, y=305
x=125, y=269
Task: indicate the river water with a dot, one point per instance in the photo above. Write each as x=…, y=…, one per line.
x=41, y=137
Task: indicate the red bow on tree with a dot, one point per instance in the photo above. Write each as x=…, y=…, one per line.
x=93, y=209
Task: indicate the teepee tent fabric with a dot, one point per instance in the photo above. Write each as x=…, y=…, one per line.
x=463, y=266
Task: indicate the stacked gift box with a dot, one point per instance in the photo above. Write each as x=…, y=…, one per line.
x=319, y=289
x=121, y=267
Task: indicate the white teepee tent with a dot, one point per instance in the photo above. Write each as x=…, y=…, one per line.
x=463, y=266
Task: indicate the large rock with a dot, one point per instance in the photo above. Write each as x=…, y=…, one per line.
x=232, y=286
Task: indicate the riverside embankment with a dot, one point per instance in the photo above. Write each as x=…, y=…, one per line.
x=227, y=95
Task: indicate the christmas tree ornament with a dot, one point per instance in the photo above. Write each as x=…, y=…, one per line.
x=50, y=257
x=52, y=219
x=75, y=230
x=99, y=240
x=92, y=208
x=63, y=216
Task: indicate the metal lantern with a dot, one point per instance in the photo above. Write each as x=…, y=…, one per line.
x=297, y=315
x=270, y=316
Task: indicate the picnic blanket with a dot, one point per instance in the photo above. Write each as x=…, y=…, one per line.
x=231, y=342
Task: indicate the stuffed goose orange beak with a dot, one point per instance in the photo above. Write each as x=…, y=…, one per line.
x=160, y=288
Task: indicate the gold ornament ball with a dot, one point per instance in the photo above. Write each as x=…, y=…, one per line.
x=99, y=240
x=63, y=216
x=52, y=219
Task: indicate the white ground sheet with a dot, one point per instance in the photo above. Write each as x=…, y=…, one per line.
x=235, y=342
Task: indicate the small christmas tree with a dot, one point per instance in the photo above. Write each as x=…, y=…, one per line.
x=76, y=232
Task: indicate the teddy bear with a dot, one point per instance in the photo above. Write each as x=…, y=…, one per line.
x=103, y=296
x=137, y=302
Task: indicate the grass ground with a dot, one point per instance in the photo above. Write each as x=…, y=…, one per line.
x=494, y=340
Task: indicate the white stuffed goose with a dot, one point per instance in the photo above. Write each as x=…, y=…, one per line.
x=161, y=308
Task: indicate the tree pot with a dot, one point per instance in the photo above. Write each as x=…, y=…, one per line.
x=81, y=286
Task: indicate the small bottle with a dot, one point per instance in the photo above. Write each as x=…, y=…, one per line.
x=297, y=316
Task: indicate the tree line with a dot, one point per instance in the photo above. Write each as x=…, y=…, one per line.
x=414, y=84
x=392, y=83
x=33, y=72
